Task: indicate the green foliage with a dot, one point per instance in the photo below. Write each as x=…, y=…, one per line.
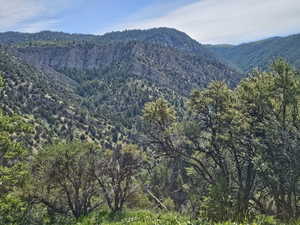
x=63, y=179
x=12, y=208
x=140, y=218
x=13, y=170
x=159, y=112
x=116, y=173
x=241, y=146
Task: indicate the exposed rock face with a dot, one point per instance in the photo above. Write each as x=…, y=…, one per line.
x=163, y=65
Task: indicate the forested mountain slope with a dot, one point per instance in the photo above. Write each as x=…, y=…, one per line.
x=109, y=80
x=46, y=101
x=261, y=53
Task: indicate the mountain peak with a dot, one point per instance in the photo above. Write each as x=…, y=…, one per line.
x=168, y=37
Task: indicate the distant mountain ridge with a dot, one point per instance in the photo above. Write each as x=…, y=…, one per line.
x=243, y=57
x=12, y=37
x=260, y=53
x=167, y=37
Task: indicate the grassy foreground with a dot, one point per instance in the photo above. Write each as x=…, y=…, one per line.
x=143, y=217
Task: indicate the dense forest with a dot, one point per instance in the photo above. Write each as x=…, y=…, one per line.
x=144, y=128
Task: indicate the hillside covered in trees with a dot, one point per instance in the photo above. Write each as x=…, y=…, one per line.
x=259, y=54
x=144, y=127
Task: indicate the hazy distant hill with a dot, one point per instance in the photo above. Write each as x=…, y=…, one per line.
x=261, y=53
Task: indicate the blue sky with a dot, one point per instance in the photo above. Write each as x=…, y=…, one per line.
x=208, y=21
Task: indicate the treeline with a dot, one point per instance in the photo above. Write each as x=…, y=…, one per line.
x=232, y=156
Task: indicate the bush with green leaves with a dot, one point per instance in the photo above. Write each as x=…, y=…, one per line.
x=63, y=179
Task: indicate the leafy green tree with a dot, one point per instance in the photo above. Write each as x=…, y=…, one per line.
x=116, y=172
x=63, y=179
x=270, y=105
x=277, y=162
x=226, y=141
x=209, y=133
x=164, y=137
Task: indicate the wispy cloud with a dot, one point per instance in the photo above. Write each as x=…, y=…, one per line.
x=229, y=21
x=29, y=15
x=145, y=14
x=38, y=26
x=208, y=21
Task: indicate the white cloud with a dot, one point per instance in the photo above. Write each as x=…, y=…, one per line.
x=230, y=21
x=29, y=15
x=16, y=11
x=144, y=14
